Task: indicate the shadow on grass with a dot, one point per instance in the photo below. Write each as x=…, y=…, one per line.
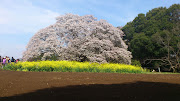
x=137, y=91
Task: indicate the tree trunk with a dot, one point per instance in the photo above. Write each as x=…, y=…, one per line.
x=159, y=69
x=173, y=69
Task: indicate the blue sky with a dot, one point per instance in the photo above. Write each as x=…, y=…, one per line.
x=21, y=19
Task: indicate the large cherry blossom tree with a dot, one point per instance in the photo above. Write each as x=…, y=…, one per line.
x=79, y=38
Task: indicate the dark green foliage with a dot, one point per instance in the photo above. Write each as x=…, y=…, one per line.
x=142, y=33
x=38, y=58
x=136, y=63
x=141, y=46
x=53, y=57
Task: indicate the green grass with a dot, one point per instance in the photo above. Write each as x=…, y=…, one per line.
x=159, y=73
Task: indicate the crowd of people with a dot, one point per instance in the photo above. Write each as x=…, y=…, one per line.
x=6, y=60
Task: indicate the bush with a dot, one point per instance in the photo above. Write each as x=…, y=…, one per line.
x=136, y=63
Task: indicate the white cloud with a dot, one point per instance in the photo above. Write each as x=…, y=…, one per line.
x=21, y=17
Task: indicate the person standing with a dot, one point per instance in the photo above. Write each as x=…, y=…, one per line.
x=12, y=59
x=7, y=60
x=0, y=61
x=17, y=60
x=4, y=61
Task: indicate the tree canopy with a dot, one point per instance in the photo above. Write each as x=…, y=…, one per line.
x=79, y=38
x=147, y=34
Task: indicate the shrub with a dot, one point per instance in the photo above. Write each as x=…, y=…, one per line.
x=136, y=63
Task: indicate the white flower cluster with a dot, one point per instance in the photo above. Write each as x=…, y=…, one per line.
x=79, y=38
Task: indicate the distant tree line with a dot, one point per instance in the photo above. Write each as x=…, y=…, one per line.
x=154, y=38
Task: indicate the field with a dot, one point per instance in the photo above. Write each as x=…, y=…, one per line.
x=82, y=86
x=73, y=66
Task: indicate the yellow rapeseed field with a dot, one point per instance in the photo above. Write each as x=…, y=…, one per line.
x=73, y=66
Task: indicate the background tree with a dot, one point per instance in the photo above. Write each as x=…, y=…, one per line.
x=142, y=46
x=140, y=34
x=79, y=38
x=170, y=41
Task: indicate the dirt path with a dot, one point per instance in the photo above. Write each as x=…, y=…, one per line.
x=54, y=86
